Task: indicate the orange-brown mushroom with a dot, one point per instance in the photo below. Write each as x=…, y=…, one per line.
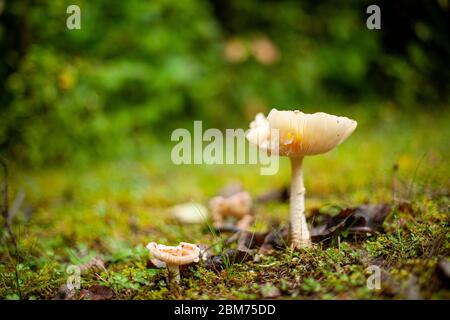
x=174, y=256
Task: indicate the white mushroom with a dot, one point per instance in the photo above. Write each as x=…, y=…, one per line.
x=174, y=257
x=299, y=135
x=189, y=213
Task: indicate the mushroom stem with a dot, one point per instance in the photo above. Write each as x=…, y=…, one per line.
x=300, y=236
x=174, y=275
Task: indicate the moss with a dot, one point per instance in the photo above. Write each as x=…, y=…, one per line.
x=112, y=212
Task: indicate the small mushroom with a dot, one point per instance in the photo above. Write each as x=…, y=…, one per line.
x=189, y=213
x=174, y=257
x=296, y=135
x=238, y=205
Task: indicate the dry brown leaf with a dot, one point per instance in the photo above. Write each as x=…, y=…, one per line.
x=364, y=219
x=97, y=292
x=94, y=265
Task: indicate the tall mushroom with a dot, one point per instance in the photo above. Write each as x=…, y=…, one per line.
x=299, y=135
x=174, y=257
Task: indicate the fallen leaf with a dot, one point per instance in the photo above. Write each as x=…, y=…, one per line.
x=331, y=224
x=277, y=239
x=249, y=240
x=266, y=241
x=370, y=218
x=93, y=265
x=229, y=256
x=360, y=220
x=97, y=292
x=64, y=293
x=215, y=262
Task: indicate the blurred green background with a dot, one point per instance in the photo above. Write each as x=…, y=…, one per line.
x=138, y=69
x=86, y=118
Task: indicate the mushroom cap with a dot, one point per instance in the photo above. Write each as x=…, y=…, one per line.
x=299, y=134
x=184, y=253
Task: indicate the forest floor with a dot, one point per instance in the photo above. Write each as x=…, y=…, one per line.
x=71, y=215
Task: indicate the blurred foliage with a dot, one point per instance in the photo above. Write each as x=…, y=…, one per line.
x=138, y=69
